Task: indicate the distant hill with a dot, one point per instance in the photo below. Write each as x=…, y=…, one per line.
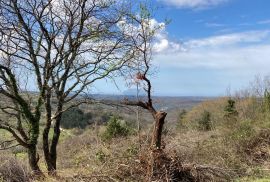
x=160, y=102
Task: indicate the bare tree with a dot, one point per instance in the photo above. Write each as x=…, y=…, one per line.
x=143, y=31
x=63, y=46
x=143, y=38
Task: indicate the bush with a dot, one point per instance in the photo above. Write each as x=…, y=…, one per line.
x=12, y=170
x=116, y=128
x=204, y=122
x=243, y=131
x=75, y=118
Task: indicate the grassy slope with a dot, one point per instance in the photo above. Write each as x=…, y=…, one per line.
x=83, y=153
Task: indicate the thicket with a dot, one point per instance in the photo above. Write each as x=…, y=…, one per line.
x=76, y=118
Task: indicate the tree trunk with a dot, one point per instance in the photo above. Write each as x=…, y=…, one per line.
x=157, y=132
x=156, y=143
x=33, y=160
x=46, y=148
x=50, y=151
x=46, y=151
x=55, y=139
x=32, y=148
x=56, y=135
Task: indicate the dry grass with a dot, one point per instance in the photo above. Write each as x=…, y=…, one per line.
x=228, y=152
x=12, y=170
x=258, y=147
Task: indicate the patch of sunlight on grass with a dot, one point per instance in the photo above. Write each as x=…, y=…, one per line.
x=21, y=155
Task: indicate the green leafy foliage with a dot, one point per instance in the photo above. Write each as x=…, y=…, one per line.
x=75, y=118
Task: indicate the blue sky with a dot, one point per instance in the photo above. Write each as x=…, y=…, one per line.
x=209, y=45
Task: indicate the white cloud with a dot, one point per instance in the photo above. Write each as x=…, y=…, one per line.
x=228, y=39
x=246, y=53
x=162, y=43
x=249, y=58
x=193, y=3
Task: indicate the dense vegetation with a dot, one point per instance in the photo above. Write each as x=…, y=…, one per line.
x=75, y=117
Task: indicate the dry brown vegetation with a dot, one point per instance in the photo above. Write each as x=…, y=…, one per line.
x=231, y=151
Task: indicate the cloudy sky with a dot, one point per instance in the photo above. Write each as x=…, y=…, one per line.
x=209, y=46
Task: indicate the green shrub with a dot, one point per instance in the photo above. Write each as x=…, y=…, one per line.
x=116, y=128
x=204, y=122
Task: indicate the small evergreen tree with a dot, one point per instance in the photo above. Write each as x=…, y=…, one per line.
x=230, y=110
x=205, y=123
x=116, y=127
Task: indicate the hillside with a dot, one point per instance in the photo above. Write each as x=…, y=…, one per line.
x=238, y=151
